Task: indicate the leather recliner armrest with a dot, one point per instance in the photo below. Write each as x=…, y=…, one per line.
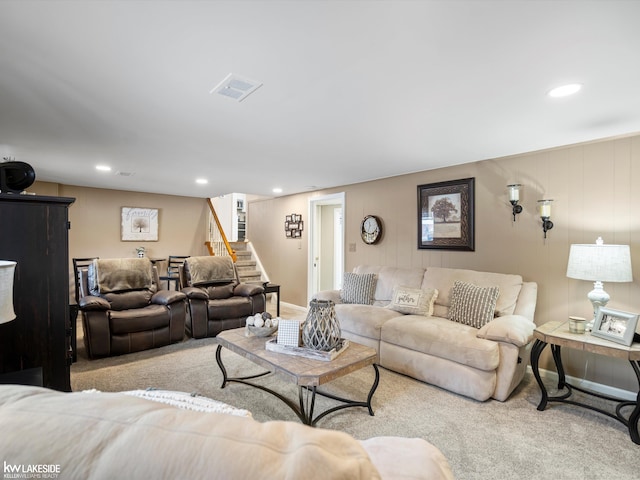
x=248, y=289
x=167, y=297
x=94, y=303
x=195, y=293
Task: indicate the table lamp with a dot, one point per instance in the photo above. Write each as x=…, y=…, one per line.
x=599, y=263
x=7, y=269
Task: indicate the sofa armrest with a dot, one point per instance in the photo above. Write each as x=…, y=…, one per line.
x=514, y=329
x=248, y=289
x=167, y=297
x=195, y=293
x=333, y=295
x=94, y=303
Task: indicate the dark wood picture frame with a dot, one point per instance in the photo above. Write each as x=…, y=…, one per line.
x=446, y=213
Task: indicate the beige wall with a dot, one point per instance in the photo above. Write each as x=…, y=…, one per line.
x=595, y=191
x=95, y=218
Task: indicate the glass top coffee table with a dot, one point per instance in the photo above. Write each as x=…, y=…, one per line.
x=306, y=373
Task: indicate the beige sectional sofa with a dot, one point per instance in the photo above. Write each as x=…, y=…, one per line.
x=49, y=434
x=481, y=363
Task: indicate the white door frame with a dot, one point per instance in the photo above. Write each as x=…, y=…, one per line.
x=313, y=277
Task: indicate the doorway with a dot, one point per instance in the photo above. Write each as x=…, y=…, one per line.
x=326, y=243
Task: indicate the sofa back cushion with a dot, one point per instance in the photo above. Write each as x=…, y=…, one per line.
x=444, y=278
x=389, y=277
x=208, y=270
x=119, y=274
x=126, y=283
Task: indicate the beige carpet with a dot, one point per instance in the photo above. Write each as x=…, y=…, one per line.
x=489, y=440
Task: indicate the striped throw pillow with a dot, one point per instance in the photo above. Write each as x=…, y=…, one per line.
x=358, y=288
x=473, y=305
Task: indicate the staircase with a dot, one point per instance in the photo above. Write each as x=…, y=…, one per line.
x=245, y=264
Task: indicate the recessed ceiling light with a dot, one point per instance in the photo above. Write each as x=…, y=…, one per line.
x=565, y=90
x=277, y=190
x=103, y=168
x=202, y=181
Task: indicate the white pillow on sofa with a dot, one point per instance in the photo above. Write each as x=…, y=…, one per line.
x=413, y=301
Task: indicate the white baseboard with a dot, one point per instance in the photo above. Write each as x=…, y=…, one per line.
x=292, y=306
x=589, y=385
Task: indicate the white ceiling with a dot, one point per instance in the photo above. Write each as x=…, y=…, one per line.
x=352, y=90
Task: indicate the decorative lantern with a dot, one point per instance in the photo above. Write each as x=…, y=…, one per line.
x=321, y=330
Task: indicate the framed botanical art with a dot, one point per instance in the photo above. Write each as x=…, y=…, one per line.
x=446, y=215
x=139, y=224
x=615, y=325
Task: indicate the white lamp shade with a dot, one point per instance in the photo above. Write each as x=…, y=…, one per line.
x=7, y=270
x=600, y=263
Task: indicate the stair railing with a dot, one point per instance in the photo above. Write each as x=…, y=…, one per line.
x=218, y=243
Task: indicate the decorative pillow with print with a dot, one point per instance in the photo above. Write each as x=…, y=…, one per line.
x=473, y=305
x=413, y=301
x=358, y=288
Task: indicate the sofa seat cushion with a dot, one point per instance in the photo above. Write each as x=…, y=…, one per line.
x=442, y=338
x=444, y=278
x=363, y=320
x=232, y=307
x=138, y=320
x=389, y=277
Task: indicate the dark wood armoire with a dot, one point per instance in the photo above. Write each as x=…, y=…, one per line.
x=34, y=233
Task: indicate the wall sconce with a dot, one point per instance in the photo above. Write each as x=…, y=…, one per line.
x=544, y=206
x=7, y=270
x=514, y=198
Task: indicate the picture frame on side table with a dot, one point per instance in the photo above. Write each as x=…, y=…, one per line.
x=446, y=215
x=139, y=224
x=615, y=325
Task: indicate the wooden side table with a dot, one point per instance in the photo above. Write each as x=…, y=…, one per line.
x=557, y=335
x=273, y=288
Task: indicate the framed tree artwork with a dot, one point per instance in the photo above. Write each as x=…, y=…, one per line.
x=446, y=215
x=139, y=224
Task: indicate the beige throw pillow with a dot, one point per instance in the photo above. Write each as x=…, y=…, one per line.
x=473, y=305
x=413, y=301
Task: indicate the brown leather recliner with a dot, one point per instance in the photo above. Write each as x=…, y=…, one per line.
x=217, y=299
x=123, y=311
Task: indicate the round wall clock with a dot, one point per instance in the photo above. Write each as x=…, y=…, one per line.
x=371, y=229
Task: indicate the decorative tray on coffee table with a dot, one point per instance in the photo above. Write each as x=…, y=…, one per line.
x=273, y=346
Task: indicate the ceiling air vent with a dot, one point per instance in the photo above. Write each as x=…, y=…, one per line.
x=236, y=87
x=125, y=174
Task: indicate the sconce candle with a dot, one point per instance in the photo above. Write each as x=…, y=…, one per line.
x=545, y=209
x=514, y=198
x=545, y=214
x=514, y=192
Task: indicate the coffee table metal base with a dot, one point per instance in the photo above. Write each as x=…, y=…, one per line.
x=304, y=409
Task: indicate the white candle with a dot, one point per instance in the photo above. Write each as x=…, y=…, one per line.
x=514, y=193
x=545, y=210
